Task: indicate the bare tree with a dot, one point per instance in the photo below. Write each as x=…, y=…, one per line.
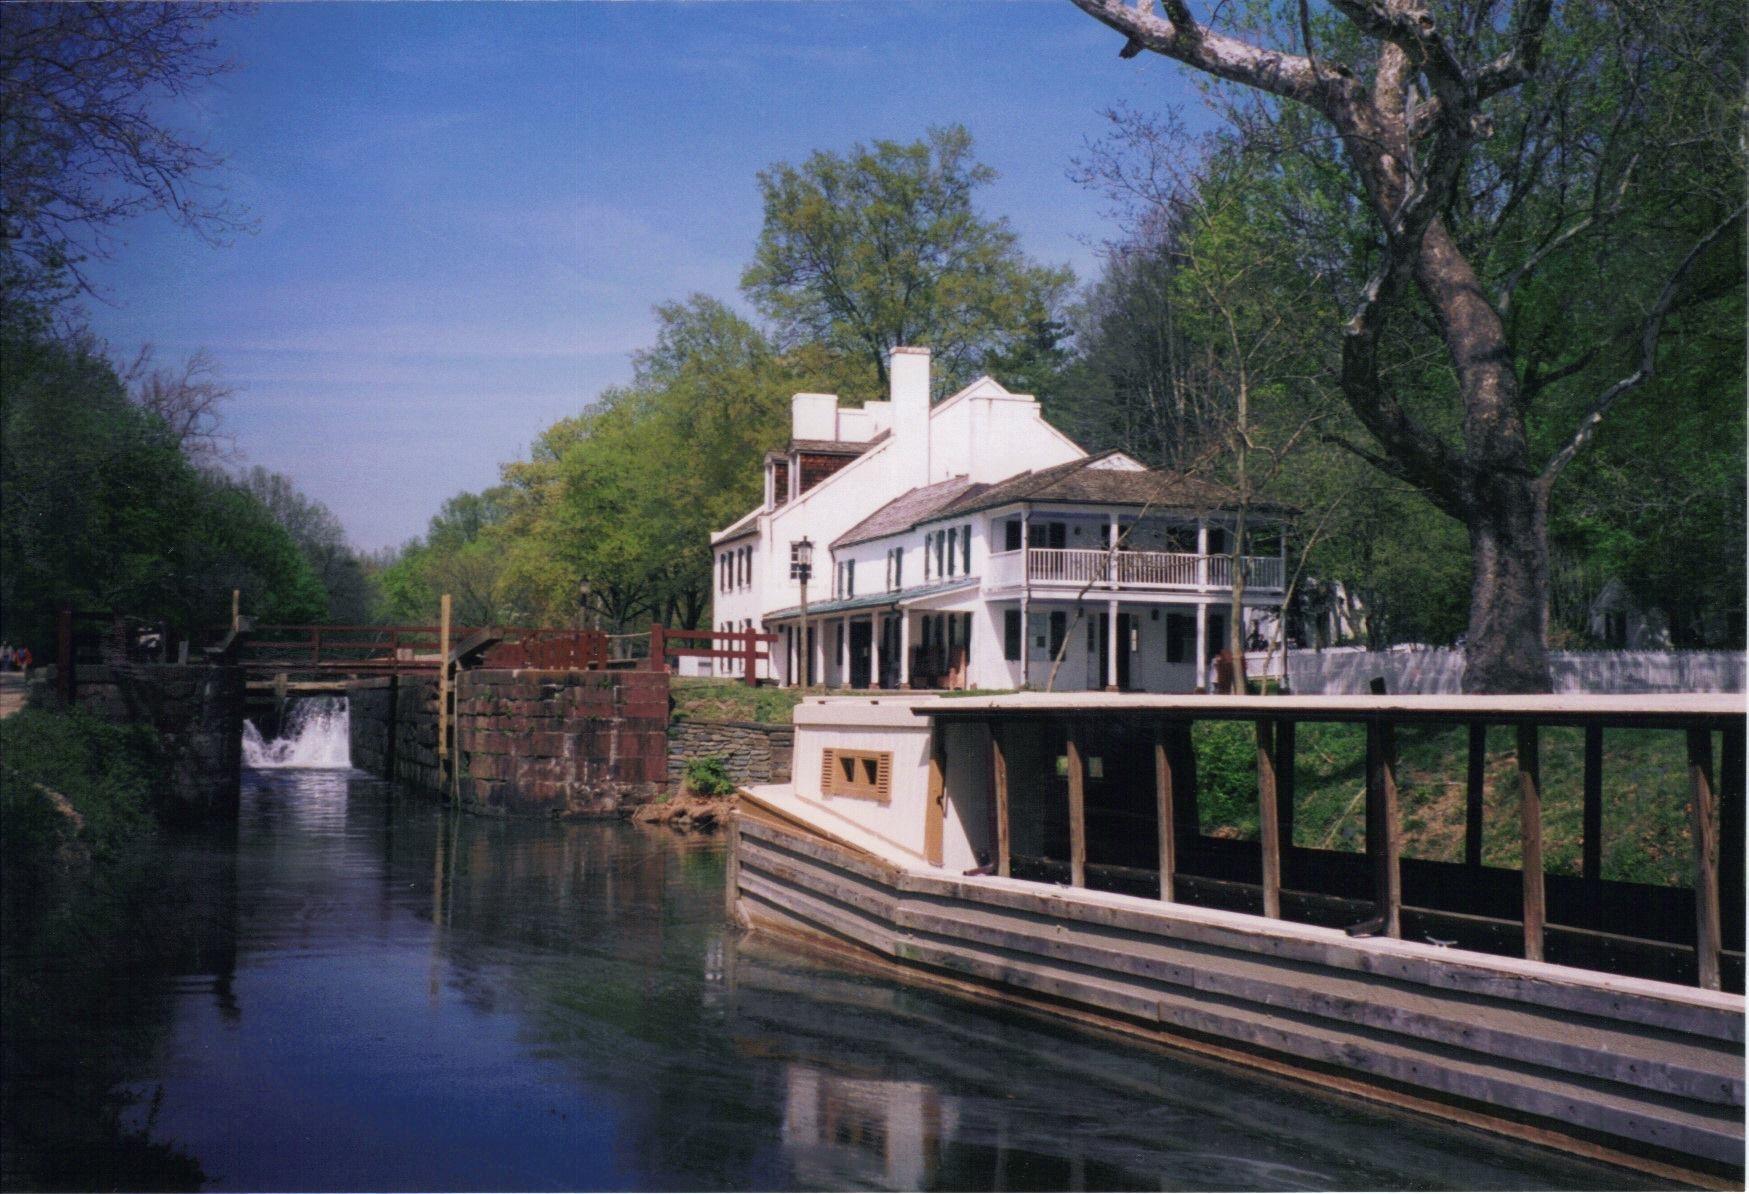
x=1407, y=133
x=189, y=397
x=83, y=142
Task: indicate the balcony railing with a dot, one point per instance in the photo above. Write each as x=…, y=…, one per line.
x=1133, y=569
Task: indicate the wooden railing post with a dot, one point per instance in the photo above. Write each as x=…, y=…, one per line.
x=1077, y=808
x=1703, y=815
x=1475, y=789
x=236, y=610
x=999, y=778
x=750, y=656
x=1531, y=839
x=1386, y=826
x=443, y=681
x=1268, y=821
x=1731, y=832
x=935, y=811
x=658, y=647
x=316, y=644
x=1163, y=810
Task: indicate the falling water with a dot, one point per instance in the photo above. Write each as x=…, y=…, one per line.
x=315, y=736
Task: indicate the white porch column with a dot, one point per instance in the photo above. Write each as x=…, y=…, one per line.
x=1202, y=560
x=1111, y=533
x=877, y=623
x=904, y=649
x=1111, y=648
x=1025, y=597
x=1202, y=646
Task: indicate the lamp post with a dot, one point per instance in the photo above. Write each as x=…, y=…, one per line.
x=583, y=604
x=801, y=567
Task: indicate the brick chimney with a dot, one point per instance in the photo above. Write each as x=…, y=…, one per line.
x=908, y=372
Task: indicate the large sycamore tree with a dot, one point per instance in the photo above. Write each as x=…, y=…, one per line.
x=1410, y=90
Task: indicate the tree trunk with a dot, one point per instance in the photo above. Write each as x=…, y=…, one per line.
x=1507, y=651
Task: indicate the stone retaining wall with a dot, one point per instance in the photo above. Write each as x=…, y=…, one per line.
x=196, y=710
x=752, y=752
x=563, y=743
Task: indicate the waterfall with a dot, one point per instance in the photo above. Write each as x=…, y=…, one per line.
x=315, y=735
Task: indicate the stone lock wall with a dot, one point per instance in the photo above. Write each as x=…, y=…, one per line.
x=564, y=743
x=196, y=711
x=752, y=753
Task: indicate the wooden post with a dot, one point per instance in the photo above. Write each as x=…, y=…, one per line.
x=1531, y=834
x=1284, y=785
x=935, y=810
x=1163, y=811
x=316, y=644
x=1731, y=833
x=1381, y=779
x=236, y=610
x=1591, y=860
x=1268, y=823
x=1703, y=815
x=442, y=682
x=999, y=777
x=64, y=663
x=1077, y=809
x=1475, y=789
x=750, y=657
x=658, y=647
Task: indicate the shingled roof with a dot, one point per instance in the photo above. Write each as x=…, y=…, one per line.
x=1078, y=482
x=909, y=509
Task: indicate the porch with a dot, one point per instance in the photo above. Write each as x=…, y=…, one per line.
x=1075, y=567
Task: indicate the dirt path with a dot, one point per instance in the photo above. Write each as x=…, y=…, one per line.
x=12, y=693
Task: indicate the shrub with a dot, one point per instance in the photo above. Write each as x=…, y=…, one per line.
x=708, y=777
x=1226, y=775
x=106, y=773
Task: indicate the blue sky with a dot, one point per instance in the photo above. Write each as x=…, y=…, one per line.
x=466, y=212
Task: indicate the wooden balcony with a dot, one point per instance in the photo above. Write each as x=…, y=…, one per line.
x=1147, y=570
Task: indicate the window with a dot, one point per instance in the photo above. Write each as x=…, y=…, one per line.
x=953, y=550
x=1011, y=634
x=862, y=774
x=1011, y=535
x=847, y=578
x=840, y=648
x=928, y=550
x=1055, y=534
x=1059, y=631
x=898, y=567
x=940, y=544
x=746, y=566
x=966, y=550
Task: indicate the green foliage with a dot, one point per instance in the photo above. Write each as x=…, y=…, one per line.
x=108, y=774
x=708, y=777
x=1226, y=776
x=104, y=512
x=882, y=247
x=731, y=700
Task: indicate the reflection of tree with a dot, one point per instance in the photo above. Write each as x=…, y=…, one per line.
x=86, y=1001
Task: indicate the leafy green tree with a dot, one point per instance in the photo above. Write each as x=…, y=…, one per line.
x=320, y=539
x=883, y=247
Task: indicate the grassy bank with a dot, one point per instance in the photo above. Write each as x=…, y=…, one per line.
x=1645, y=794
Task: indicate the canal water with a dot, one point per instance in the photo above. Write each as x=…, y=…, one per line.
x=358, y=989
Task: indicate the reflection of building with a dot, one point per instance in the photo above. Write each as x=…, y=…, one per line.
x=845, y=1131
x=970, y=544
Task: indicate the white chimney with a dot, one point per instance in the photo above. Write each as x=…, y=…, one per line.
x=908, y=371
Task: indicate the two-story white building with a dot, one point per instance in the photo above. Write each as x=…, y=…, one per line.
x=969, y=544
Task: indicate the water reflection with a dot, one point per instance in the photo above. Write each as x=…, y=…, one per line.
x=389, y=996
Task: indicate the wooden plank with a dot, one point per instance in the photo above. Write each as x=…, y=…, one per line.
x=1475, y=791
x=1077, y=808
x=1268, y=825
x=1703, y=815
x=1530, y=820
x=443, y=679
x=1591, y=863
x=935, y=806
x=999, y=778
x=1285, y=778
x=1163, y=812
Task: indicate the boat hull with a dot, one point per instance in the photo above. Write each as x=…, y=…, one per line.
x=1643, y=1074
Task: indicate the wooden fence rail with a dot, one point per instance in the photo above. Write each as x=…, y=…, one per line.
x=742, y=645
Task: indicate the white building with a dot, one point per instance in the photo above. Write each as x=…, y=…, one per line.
x=968, y=544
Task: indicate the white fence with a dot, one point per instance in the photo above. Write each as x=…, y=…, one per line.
x=1341, y=670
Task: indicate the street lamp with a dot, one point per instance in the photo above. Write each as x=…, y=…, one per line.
x=801, y=567
x=583, y=604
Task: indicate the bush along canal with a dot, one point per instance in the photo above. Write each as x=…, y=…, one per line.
x=358, y=988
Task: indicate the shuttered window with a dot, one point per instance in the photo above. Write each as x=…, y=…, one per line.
x=860, y=774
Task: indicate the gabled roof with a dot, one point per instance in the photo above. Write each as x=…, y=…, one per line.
x=747, y=524
x=1084, y=482
x=907, y=510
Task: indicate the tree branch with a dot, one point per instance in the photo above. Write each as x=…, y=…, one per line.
x=1181, y=39
x=1649, y=334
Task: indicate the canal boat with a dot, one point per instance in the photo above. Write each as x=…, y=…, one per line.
x=1049, y=853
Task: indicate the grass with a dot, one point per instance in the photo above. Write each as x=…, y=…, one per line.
x=731, y=700
x=1645, y=794
x=72, y=783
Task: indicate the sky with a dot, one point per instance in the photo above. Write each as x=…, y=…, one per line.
x=465, y=213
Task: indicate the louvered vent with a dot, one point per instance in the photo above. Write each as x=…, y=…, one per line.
x=861, y=774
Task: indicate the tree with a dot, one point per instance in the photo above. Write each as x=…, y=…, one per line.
x=883, y=247
x=1410, y=92
x=320, y=539
x=189, y=398
x=83, y=142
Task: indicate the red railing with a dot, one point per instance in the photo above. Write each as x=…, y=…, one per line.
x=743, y=645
